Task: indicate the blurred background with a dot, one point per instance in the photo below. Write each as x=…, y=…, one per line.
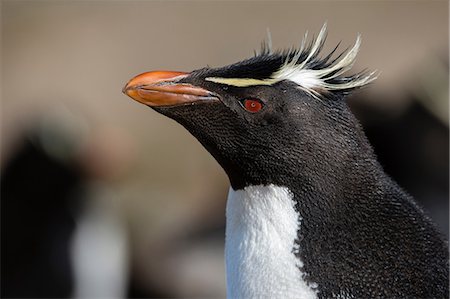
x=103, y=197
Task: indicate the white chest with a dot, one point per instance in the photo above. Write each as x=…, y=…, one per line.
x=261, y=228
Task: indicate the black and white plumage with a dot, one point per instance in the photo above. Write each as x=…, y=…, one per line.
x=310, y=213
x=304, y=66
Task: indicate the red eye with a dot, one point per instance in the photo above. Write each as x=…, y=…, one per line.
x=252, y=105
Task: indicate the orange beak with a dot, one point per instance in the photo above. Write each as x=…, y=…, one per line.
x=161, y=88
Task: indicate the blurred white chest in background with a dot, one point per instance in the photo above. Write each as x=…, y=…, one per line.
x=261, y=229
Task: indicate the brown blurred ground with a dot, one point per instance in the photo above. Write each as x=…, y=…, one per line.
x=76, y=56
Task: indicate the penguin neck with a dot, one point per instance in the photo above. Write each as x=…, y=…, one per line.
x=269, y=220
x=260, y=249
x=318, y=164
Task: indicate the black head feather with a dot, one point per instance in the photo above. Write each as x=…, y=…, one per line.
x=304, y=66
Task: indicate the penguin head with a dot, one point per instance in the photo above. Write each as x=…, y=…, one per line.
x=261, y=114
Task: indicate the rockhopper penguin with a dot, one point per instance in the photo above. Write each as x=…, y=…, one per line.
x=310, y=212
